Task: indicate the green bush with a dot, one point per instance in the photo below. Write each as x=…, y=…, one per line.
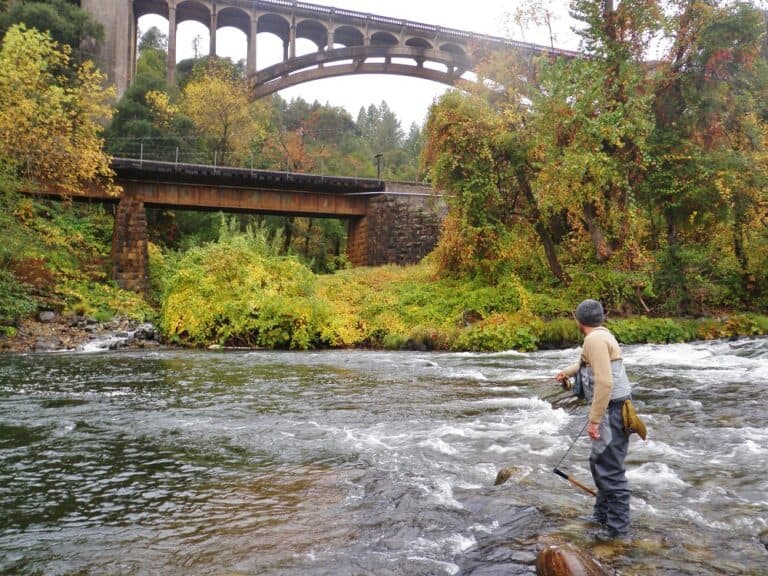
x=731, y=326
x=500, y=333
x=616, y=289
x=15, y=300
x=656, y=330
x=103, y=301
x=697, y=279
x=229, y=293
x=559, y=333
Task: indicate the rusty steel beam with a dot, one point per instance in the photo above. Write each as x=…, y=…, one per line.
x=209, y=197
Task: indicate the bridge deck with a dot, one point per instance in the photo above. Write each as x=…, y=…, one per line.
x=153, y=171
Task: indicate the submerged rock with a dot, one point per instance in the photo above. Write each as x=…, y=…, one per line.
x=567, y=560
x=764, y=538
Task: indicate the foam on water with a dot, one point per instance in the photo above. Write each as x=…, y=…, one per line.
x=518, y=402
x=656, y=475
x=466, y=375
x=440, y=491
x=438, y=445
x=653, y=449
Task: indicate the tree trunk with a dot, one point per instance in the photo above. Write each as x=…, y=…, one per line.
x=739, y=221
x=545, y=237
x=603, y=251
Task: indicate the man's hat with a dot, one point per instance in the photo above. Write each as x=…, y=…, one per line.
x=590, y=313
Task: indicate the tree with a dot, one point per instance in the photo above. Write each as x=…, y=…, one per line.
x=138, y=127
x=49, y=123
x=64, y=20
x=219, y=104
x=709, y=146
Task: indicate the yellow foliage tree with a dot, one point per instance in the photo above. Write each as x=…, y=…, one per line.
x=49, y=117
x=220, y=106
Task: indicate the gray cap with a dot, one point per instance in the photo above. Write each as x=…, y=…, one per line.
x=590, y=313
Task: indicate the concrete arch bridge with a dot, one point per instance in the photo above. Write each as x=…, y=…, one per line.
x=347, y=42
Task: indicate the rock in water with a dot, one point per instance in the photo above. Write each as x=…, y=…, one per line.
x=503, y=475
x=567, y=560
x=764, y=538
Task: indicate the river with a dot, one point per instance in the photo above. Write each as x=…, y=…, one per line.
x=368, y=463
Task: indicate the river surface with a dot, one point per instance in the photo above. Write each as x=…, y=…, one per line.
x=368, y=463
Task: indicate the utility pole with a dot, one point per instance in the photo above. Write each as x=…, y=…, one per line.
x=378, y=165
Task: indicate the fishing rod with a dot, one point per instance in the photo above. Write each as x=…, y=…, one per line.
x=566, y=476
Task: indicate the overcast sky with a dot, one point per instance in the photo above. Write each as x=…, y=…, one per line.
x=408, y=97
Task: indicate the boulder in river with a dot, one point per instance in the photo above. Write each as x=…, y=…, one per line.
x=505, y=474
x=764, y=538
x=568, y=560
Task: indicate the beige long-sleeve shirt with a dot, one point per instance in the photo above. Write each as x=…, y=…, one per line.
x=599, y=350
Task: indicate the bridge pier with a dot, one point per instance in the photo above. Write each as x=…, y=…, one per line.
x=130, y=246
x=398, y=229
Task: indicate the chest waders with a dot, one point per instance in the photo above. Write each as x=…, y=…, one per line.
x=606, y=460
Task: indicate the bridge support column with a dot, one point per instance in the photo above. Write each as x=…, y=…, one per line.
x=171, y=65
x=399, y=229
x=292, y=42
x=214, y=27
x=252, y=51
x=115, y=52
x=357, y=241
x=130, y=242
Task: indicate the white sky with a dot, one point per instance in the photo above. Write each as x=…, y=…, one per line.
x=408, y=97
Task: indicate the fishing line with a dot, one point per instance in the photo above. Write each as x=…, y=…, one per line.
x=572, y=444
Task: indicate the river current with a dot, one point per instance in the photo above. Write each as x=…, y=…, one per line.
x=368, y=463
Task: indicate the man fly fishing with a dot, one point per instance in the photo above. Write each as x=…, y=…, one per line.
x=602, y=381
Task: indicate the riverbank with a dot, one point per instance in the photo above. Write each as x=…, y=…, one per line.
x=51, y=332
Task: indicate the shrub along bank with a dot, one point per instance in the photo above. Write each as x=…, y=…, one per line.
x=238, y=292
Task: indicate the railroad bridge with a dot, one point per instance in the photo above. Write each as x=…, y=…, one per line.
x=346, y=41
x=388, y=222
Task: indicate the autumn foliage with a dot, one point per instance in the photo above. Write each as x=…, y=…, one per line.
x=50, y=119
x=640, y=183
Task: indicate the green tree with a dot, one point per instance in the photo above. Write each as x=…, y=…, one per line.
x=219, y=104
x=137, y=127
x=66, y=22
x=709, y=151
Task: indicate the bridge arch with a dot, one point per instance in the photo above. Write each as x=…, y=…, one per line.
x=293, y=20
x=194, y=10
x=418, y=43
x=313, y=31
x=348, y=36
x=384, y=39
x=234, y=18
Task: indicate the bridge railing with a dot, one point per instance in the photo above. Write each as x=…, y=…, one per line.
x=174, y=151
